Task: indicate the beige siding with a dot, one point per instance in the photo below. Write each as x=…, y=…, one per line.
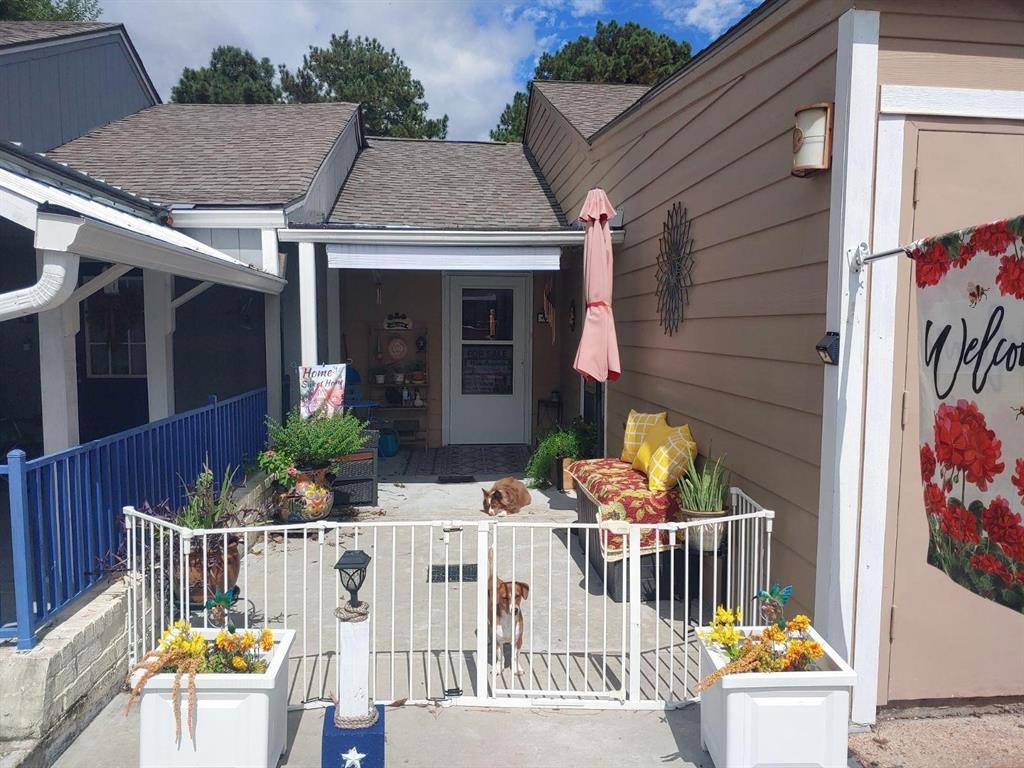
x=951, y=44
x=742, y=370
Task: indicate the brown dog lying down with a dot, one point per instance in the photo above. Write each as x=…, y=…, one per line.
x=506, y=497
x=505, y=614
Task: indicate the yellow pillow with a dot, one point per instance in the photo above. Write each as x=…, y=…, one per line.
x=636, y=427
x=670, y=459
x=655, y=435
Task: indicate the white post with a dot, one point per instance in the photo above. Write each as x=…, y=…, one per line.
x=307, y=303
x=482, y=628
x=272, y=342
x=633, y=576
x=333, y=316
x=353, y=671
x=58, y=376
x=158, y=293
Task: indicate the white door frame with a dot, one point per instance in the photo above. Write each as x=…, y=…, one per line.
x=897, y=103
x=447, y=350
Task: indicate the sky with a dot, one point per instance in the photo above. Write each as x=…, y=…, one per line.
x=470, y=55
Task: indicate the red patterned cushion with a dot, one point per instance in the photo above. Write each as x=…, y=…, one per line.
x=621, y=493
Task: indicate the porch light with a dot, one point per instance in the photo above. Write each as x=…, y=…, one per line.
x=812, y=139
x=351, y=568
x=828, y=348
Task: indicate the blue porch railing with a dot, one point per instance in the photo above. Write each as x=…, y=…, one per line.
x=66, y=507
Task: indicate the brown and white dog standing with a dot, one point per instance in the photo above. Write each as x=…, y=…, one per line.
x=505, y=614
x=506, y=497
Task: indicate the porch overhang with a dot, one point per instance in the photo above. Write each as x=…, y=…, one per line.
x=449, y=250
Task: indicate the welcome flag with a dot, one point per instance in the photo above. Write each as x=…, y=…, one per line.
x=970, y=305
x=321, y=390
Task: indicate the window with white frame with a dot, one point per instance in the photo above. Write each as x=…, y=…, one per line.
x=115, y=331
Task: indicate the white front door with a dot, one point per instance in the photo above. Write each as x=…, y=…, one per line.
x=486, y=378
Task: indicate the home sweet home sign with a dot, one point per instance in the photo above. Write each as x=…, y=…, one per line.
x=970, y=304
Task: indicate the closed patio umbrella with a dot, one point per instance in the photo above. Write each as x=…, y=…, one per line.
x=597, y=359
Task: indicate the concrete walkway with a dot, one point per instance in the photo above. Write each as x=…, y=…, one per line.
x=455, y=737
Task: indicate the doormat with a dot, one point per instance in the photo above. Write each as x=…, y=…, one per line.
x=437, y=574
x=456, y=479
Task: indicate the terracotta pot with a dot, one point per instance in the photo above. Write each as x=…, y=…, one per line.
x=309, y=500
x=215, y=566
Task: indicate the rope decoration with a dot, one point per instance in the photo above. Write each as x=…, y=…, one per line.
x=364, y=721
x=355, y=614
x=675, y=267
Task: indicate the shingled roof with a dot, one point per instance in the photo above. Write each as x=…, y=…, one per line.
x=212, y=154
x=23, y=32
x=426, y=184
x=589, y=106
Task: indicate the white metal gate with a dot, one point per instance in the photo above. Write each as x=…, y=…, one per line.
x=609, y=620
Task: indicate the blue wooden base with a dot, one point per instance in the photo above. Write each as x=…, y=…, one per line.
x=352, y=747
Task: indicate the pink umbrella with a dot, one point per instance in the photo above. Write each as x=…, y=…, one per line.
x=598, y=356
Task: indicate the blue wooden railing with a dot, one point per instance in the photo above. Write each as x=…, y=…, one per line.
x=66, y=507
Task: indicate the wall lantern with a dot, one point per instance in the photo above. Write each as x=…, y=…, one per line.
x=812, y=139
x=351, y=568
x=828, y=348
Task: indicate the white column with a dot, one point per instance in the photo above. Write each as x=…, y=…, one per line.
x=307, y=303
x=158, y=292
x=58, y=376
x=272, y=332
x=353, y=669
x=333, y=316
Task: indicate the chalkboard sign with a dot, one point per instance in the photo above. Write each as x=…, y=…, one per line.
x=487, y=369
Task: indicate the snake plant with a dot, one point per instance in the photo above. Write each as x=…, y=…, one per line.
x=703, y=490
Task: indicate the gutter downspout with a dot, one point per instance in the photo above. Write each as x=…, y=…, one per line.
x=58, y=276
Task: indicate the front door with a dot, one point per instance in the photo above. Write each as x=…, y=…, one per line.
x=967, y=173
x=486, y=378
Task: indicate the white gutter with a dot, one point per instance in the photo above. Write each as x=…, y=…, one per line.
x=58, y=276
x=228, y=218
x=562, y=237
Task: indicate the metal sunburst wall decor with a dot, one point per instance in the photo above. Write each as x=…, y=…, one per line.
x=675, y=265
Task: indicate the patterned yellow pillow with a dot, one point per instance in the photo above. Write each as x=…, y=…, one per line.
x=669, y=460
x=636, y=427
x=656, y=435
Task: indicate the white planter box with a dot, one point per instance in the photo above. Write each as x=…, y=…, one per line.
x=777, y=718
x=240, y=719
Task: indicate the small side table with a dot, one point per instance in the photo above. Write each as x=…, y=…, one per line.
x=544, y=408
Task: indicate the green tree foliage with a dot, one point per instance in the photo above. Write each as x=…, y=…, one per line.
x=617, y=53
x=359, y=69
x=49, y=10
x=233, y=77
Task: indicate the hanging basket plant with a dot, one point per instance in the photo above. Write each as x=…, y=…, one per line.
x=675, y=265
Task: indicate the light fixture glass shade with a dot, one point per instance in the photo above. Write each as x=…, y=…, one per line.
x=351, y=568
x=812, y=139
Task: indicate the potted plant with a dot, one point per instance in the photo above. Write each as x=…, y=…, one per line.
x=555, y=451
x=417, y=372
x=782, y=667
x=702, y=493
x=248, y=669
x=306, y=457
x=379, y=375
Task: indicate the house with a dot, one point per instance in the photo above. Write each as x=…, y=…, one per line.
x=61, y=79
x=460, y=262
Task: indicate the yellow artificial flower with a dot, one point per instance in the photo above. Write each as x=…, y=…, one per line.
x=266, y=639
x=246, y=641
x=239, y=663
x=798, y=623
x=774, y=634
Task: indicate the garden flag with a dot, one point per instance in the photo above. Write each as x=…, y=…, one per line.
x=321, y=389
x=970, y=306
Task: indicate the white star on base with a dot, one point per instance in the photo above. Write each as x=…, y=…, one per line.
x=353, y=758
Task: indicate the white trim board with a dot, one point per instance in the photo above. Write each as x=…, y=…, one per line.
x=842, y=401
x=952, y=102
x=558, y=237
x=443, y=257
x=227, y=218
x=878, y=413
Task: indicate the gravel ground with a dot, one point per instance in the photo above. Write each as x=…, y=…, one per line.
x=962, y=737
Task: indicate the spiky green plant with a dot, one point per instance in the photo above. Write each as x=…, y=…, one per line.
x=704, y=489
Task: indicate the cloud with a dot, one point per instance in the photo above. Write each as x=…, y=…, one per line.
x=468, y=56
x=712, y=17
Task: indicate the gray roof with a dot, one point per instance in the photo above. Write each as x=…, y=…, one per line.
x=425, y=184
x=212, y=154
x=589, y=106
x=22, y=32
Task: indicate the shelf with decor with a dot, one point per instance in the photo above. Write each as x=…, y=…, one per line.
x=399, y=379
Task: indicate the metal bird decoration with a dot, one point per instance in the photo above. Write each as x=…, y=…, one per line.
x=773, y=604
